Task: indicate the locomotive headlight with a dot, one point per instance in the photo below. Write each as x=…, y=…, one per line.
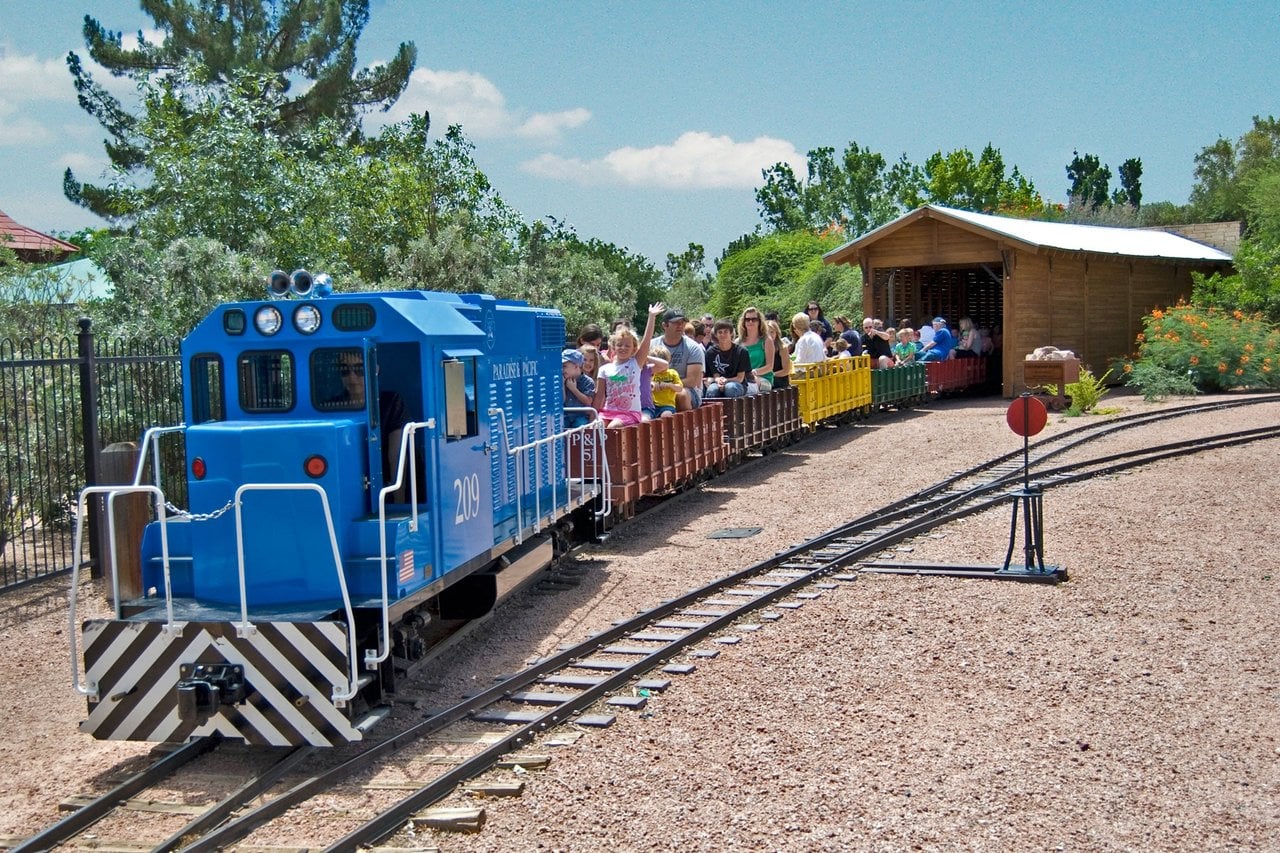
x=306, y=318
x=267, y=320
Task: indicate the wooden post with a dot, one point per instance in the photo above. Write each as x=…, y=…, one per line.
x=132, y=512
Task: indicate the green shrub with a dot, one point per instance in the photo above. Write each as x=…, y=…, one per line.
x=1215, y=349
x=1157, y=382
x=1085, y=393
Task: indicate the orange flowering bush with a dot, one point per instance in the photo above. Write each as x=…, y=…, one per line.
x=1213, y=349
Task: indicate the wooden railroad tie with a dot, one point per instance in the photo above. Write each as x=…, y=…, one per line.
x=450, y=819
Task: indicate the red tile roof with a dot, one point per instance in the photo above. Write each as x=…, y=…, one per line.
x=28, y=241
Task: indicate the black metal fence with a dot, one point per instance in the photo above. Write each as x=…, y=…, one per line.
x=61, y=403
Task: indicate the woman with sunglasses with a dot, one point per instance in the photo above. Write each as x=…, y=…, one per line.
x=753, y=338
x=814, y=312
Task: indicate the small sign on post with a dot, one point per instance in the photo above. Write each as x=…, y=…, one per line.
x=1027, y=416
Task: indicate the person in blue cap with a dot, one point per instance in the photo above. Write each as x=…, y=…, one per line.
x=938, y=349
x=579, y=390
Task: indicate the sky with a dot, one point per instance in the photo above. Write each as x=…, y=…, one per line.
x=647, y=124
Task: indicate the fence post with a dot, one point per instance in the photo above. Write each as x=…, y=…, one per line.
x=89, y=429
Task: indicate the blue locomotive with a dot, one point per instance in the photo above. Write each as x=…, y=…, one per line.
x=357, y=465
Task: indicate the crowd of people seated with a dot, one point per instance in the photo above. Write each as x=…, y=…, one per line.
x=634, y=377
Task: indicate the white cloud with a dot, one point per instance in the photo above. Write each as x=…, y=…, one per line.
x=129, y=41
x=546, y=125
x=82, y=164
x=35, y=92
x=29, y=79
x=696, y=160
x=28, y=83
x=473, y=101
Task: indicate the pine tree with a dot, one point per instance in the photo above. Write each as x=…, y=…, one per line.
x=211, y=44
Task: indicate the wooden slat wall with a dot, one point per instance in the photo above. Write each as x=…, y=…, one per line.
x=930, y=243
x=1027, y=312
x=1089, y=305
x=1068, y=299
x=1107, y=286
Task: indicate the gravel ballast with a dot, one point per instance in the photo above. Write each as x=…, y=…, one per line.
x=1134, y=707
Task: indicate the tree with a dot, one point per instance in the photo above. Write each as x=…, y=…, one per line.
x=861, y=192
x=688, y=284
x=855, y=195
x=782, y=199
x=233, y=201
x=781, y=272
x=553, y=270
x=958, y=180
x=300, y=55
x=1089, y=181
x=318, y=199
x=1242, y=181
x=1130, y=191
x=1224, y=170
x=164, y=290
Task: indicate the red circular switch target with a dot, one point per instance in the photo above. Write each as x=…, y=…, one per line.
x=1027, y=416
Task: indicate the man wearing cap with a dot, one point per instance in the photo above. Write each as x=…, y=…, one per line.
x=687, y=359
x=938, y=349
x=579, y=390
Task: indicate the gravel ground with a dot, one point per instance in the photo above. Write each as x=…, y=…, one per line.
x=1132, y=708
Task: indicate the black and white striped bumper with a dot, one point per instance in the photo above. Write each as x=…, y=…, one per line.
x=292, y=670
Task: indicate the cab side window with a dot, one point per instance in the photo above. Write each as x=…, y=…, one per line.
x=337, y=379
x=208, y=395
x=461, y=420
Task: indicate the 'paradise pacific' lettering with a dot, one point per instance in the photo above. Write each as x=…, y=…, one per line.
x=515, y=369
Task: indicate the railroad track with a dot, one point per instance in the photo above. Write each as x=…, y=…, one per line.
x=617, y=666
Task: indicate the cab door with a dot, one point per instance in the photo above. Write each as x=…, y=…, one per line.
x=464, y=507
x=373, y=407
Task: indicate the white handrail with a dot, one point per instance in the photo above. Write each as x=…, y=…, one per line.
x=246, y=628
x=151, y=438
x=596, y=426
x=409, y=454
x=87, y=689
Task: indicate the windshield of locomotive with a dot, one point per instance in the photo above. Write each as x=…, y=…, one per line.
x=266, y=380
x=337, y=379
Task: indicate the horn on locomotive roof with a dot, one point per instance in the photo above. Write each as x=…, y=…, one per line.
x=278, y=284
x=301, y=282
x=322, y=285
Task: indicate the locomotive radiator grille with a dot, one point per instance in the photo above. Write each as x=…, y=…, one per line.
x=290, y=670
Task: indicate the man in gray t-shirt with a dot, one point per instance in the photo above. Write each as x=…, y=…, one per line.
x=687, y=358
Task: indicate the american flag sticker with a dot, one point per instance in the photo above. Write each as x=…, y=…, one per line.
x=406, y=566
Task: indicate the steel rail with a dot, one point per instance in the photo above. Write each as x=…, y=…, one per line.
x=1074, y=438
x=90, y=813
x=219, y=812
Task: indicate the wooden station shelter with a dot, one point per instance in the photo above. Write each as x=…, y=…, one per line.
x=1084, y=288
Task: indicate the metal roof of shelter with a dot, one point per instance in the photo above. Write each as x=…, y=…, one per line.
x=28, y=241
x=1057, y=236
